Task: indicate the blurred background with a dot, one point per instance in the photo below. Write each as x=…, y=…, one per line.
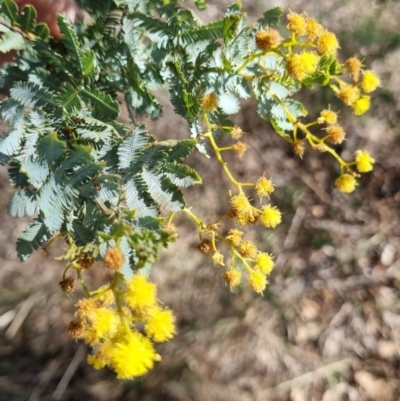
x=328, y=325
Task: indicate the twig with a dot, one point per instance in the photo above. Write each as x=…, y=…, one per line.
x=69, y=373
x=16, y=30
x=22, y=314
x=306, y=378
x=7, y=318
x=45, y=377
x=290, y=239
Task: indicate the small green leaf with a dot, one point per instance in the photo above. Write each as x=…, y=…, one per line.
x=51, y=148
x=27, y=20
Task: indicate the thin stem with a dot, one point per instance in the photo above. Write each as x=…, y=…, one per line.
x=83, y=284
x=221, y=161
x=17, y=30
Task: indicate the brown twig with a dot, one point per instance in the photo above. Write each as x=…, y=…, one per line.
x=16, y=30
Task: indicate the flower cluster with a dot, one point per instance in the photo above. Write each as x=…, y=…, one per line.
x=243, y=253
x=110, y=321
x=315, y=44
x=310, y=56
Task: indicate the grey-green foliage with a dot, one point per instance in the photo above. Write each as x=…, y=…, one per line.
x=66, y=151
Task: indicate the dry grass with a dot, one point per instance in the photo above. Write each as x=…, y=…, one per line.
x=328, y=328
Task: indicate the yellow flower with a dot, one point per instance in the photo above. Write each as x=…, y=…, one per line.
x=91, y=336
x=271, y=216
x=160, y=325
x=104, y=351
x=336, y=134
x=346, y=183
x=218, y=259
x=248, y=249
x=257, y=281
x=106, y=295
x=133, y=357
x=114, y=258
x=264, y=263
x=234, y=237
x=361, y=105
x=299, y=148
x=370, y=81
x=364, y=161
x=76, y=329
x=266, y=39
x=348, y=94
x=85, y=306
x=302, y=65
x=140, y=294
x=327, y=116
x=205, y=246
x=327, y=43
x=236, y=133
x=209, y=102
x=240, y=148
x=264, y=187
x=104, y=321
x=242, y=210
x=313, y=30
x=233, y=277
x=354, y=66
x=297, y=24
x=96, y=362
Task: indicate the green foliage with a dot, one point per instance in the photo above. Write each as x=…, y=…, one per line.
x=111, y=190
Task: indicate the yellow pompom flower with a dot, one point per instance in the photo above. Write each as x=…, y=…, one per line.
x=248, y=249
x=85, y=306
x=348, y=94
x=327, y=116
x=270, y=216
x=299, y=148
x=362, y=105
x=354, y=67
x=313, y=30
x=233, y=277
x=268, y=38
x=140, y=294
x=346, y=183
x=96, y=362
x=327, y=43
x=114, y=258
x=105, y=295
x=264, y=187
x=370, y=81
x=105, y=322
x=297, y=24
x=257, y=281
x=236, y=133
x=364, y=161
x=160, y=325
x=336, y=134
x=104, y=351
x=302, y=65
x=234, y=237
x=91, y=336
x=242, y=210
x=240, y=148
x=209, y=102
x=133, y=357
x=218, y=259
x=264, y=263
